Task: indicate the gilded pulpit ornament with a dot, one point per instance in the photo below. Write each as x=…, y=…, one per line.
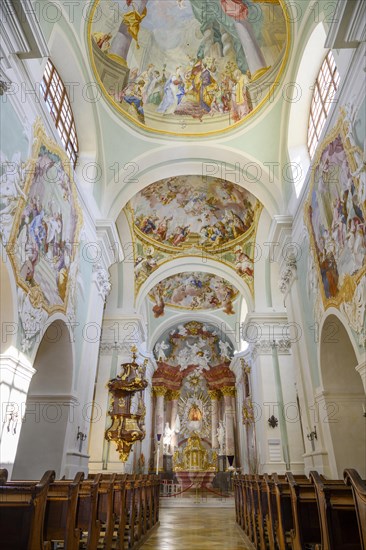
x=127, y=427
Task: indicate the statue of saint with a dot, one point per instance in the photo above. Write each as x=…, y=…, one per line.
x=221, y=437
x=167, y=438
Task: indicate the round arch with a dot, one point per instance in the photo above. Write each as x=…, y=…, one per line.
x=48, y=409
x=341, y=398
x=207, y=318
x=196, y=159
x=194, y=263
x=8, y=300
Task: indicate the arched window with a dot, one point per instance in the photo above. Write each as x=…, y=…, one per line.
x=58, y=104
x=325, y=88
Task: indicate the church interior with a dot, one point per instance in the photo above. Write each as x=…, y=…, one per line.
x=183, y=274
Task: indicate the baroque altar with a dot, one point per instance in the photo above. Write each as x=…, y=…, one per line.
x=195, y=457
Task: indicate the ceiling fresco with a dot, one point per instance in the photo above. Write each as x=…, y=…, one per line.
x=193, y=291
x=188, y=66
x=193, y=216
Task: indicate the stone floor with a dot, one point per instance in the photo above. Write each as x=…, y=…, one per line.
x=193, y=529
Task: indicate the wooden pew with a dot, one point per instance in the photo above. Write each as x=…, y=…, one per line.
x=22, y=513
x=87, y=512
x=60, y=518
x=263, y=513
x=353, y=479
x=119, y=509
x=105, y=507
x=272, y=517
x=285, y=523
x=337, y=513
x=305, y=532
x=3, y=476
x=243, y=505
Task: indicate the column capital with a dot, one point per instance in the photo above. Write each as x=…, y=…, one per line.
x=214, y=395
x=159, y=391
x=173, y=395
x=228, y=390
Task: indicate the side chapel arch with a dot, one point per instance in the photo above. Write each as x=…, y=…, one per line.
x=48, y=409
x=340, y=404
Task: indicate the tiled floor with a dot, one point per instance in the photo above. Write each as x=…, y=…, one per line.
x=197, y=529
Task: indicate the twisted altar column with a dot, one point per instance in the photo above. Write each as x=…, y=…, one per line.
x=159, y=392
x=215, y=396
x=174, y=397
x=229, y=392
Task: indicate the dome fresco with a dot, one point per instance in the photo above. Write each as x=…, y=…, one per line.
x=187, y=66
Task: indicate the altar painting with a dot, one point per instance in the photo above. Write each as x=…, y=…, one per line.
x=44, y=236
x=187, y=66
x=336, y=213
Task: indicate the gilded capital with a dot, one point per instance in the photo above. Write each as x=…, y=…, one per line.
x=228, y=390
x=160, y=390
x=173, y=395
x=214, y=395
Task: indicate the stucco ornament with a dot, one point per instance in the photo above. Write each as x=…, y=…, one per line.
x=32, y=320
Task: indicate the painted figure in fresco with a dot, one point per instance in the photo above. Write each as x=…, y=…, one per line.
x=180, y=234
x=243, y=264
x=170, y=98
x=241, y=102
x=158, y=308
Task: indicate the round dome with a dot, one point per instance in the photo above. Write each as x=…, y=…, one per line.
x=188, y=67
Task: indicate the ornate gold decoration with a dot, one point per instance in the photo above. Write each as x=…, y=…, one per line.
x=194, y=380
x=173, y=395
x=245, y=366
x=346, y=291
x=126, y=428
x=194, y=457
x=214, y=395
x=247, y=412
x=159, y=390
x=228, y=390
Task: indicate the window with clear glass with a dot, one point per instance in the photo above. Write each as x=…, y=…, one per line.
x=325, y=89
x=58, y=104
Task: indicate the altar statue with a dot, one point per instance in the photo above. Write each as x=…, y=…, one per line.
x=167, y=438
x=221, y=437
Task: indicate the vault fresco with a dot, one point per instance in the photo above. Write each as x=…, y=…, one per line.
x=193, y=291
x=187, y=66
x=193, y=216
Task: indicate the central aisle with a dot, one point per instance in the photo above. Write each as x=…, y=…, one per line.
x=197, y=529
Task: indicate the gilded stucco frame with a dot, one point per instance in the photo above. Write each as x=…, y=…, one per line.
x=342, y=128
x=35, y=293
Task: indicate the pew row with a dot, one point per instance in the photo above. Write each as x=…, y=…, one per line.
x=103, y=511
x=295, y=512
